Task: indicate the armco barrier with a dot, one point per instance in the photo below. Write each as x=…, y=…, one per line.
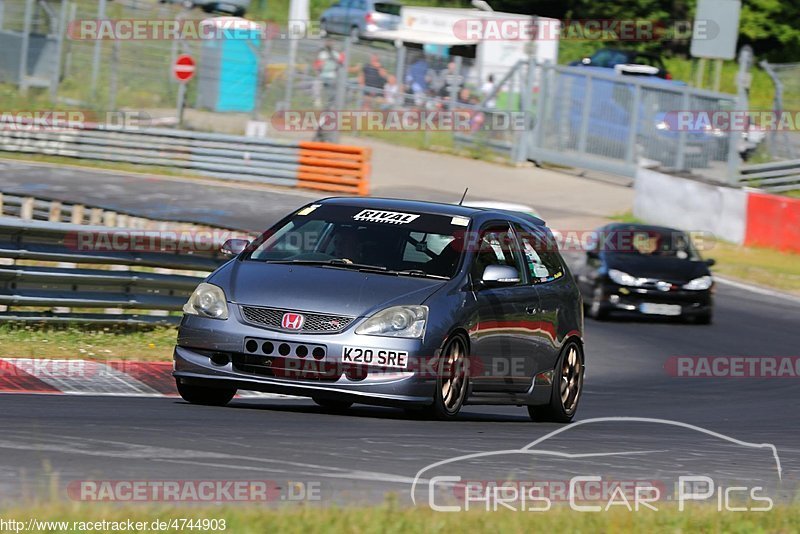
x=773, y=221
x=110, y=277
x=322, y=166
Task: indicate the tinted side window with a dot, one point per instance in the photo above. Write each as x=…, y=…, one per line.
x=541, y=258
x=496, y=246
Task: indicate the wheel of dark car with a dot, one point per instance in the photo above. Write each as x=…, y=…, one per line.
x=205, y=396
x=597, y=308
x=452, y=379
x=566, y=389
x=333, y=405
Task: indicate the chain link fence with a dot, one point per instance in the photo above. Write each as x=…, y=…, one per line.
x=786, y=79
x=541, y=112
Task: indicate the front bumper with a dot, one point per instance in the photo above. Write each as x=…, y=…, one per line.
x=634, y=300
x=214, y=353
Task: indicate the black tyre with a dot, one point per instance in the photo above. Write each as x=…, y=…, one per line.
x=334, y=405
x=452, y=379
x=205, y=396
x=566, y=389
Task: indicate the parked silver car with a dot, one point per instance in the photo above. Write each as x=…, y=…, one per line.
x=394, y=302
x=361, y=18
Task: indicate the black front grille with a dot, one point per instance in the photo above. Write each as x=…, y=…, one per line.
x=314, y=322
x=289, y=368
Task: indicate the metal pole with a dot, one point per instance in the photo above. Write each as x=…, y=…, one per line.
x=583, y=133
x=112, y=83
x=56, y=73
x=290, y=69
x=526, y=100
x=101, y=15
x=341, y=83
x=400, y=69
x=26, y=36
x=263, y=61
x=683, y=135
x=743, y=84
x=73, y=13
x=717, y=74
x=701, y=71
x=548, y=71
x=181, y=102
x=630, y=149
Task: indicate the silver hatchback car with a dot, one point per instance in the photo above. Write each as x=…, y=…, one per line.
x=379, y=301
x=361, y=18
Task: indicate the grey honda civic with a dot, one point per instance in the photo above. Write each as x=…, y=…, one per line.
x=420, y=305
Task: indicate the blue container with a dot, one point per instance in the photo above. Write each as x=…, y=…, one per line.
x=228, y=67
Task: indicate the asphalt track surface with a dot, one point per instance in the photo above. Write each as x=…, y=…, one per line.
x=364, y=454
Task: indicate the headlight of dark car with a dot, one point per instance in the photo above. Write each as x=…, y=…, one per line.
x=207, y=300
x=397, y=321
x=624, y=279
x=699, y=284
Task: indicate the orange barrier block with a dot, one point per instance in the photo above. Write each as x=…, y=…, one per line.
x=332, y=167
x=773, y=221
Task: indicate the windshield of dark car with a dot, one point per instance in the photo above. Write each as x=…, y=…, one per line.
x=651, y=243
x=392, y=240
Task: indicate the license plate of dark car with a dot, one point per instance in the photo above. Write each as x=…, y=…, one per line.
x=660, y=309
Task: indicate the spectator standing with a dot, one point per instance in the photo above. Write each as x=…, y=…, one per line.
x=372, y=78
x=327, y=67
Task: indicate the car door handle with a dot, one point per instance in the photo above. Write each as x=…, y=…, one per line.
x=530, y=310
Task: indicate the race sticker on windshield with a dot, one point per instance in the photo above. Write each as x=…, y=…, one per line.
x=308, y=209
x=392, y=217
x=397, y=359
x=460, y=221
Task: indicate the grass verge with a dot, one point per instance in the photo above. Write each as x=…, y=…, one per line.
x=761, y=266
x=390, y=519
x=141, y=343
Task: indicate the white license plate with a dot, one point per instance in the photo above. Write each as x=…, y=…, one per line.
x=396, y=359
x=660, y=309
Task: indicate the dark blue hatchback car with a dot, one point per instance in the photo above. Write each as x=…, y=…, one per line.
x=413, y=304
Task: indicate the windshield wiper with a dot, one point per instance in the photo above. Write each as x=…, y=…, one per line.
x=420, y=273
x=336, y=262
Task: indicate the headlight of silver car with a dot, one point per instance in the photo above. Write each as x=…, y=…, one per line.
x=207, y=300
x=397, y=321
x=624, y=279
x=699, y=284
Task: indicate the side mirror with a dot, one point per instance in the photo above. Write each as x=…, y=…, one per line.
x=233, y=247
x=499, y=275
x=710, y=262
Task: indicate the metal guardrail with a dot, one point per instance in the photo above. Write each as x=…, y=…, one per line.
x=29, y=208
x=322, y=166
x=776, y=177
x=52, y=281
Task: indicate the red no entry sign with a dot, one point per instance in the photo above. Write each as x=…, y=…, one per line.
x=184, y=68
